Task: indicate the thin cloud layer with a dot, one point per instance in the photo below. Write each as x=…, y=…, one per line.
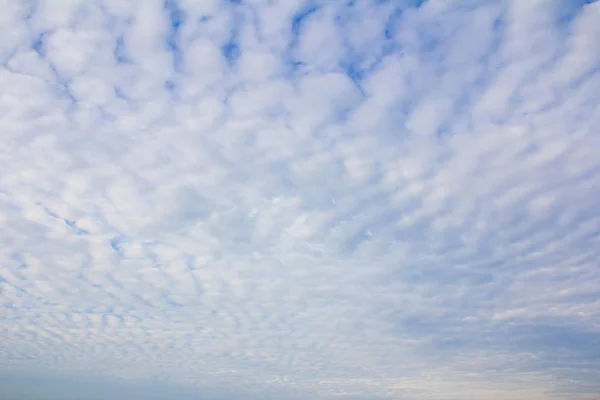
x=288, y=199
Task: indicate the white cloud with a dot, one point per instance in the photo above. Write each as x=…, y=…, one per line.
x=290, y=200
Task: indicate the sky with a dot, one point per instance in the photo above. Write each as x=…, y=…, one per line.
x=289, y=199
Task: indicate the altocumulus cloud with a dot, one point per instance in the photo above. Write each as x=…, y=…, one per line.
x=301, y=199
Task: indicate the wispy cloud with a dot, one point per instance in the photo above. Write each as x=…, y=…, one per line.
x=367, y=199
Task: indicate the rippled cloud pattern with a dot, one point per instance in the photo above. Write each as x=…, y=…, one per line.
x=363, y=199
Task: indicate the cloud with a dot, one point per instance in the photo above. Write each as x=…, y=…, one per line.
x=362, y=199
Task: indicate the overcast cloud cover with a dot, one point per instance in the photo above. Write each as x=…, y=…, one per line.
x=300, y=199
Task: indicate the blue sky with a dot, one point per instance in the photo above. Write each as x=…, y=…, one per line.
x=362, y=200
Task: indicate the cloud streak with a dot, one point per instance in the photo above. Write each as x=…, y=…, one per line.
x=364, y=199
